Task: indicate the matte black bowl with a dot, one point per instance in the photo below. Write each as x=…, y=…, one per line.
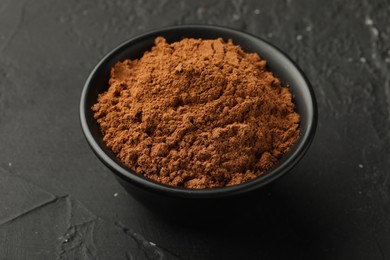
x=179, y=201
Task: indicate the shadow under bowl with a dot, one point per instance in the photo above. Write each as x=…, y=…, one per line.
x=182, y=202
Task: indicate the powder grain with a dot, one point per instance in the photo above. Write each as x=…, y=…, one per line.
x=197, y=114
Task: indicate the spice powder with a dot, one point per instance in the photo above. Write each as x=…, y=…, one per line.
x=197, y=113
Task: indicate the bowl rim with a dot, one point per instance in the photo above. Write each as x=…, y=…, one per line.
x=152, y=186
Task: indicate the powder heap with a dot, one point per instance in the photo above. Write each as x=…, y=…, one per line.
x=197, y=114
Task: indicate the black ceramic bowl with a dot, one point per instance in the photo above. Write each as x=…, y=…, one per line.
x=174, y=200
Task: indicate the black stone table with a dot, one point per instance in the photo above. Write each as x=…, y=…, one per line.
x=57, y=201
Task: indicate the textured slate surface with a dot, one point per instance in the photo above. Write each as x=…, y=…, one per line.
x=57, y=201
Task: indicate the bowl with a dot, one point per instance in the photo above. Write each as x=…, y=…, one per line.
x=169, y=200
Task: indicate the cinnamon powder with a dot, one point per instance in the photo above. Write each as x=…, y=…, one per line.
x=197, y=114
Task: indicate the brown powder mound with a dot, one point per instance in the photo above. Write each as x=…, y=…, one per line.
x=197, y=114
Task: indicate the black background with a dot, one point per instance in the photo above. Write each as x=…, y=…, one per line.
x=57, y=201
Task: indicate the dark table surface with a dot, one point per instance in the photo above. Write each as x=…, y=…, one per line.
x=58, y=201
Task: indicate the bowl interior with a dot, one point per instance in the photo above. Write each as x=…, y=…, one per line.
x=278, y=63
